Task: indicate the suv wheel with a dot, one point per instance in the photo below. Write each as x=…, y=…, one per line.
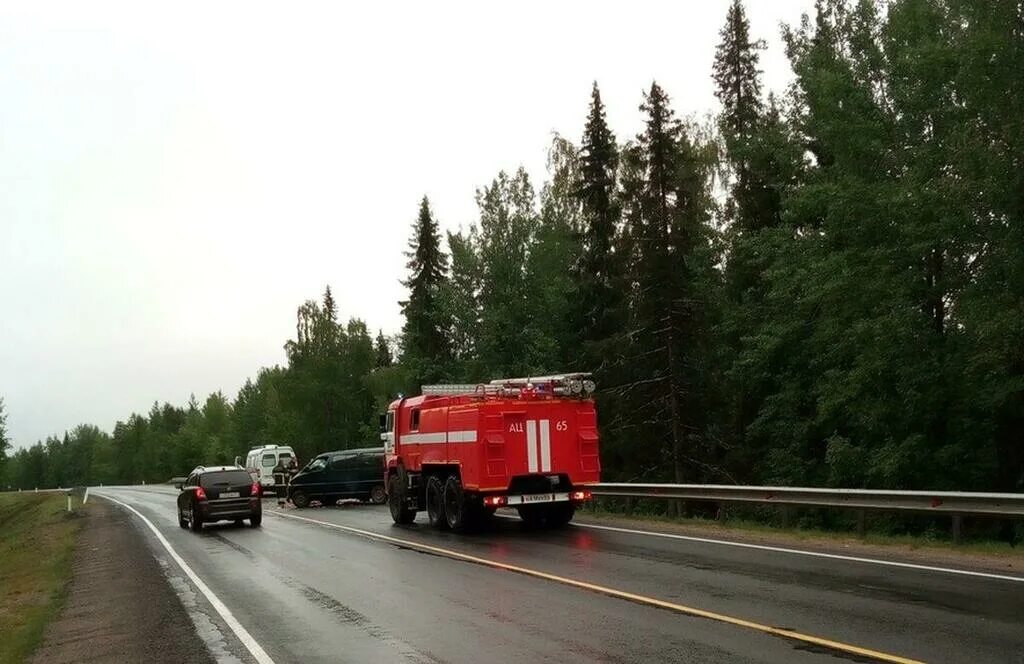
x=378, y=495
x=300, y=499
x=255, y=520
x=195, y=521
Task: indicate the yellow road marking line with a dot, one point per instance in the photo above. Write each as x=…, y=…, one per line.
x=621, y=594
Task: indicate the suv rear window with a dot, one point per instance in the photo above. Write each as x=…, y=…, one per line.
x=224, y=477
x=269, y=460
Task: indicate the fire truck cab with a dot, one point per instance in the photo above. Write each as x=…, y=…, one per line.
x=459, y=452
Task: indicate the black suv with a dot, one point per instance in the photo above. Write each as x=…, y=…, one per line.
x=219, y=493
x=342, y=474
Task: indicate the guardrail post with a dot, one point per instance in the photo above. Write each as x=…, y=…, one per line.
x=861, y=527
x=787, y=515
x=958, y=522
x=721, y=516
x=629, y=506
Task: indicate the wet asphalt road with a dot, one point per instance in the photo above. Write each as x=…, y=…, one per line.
x=311, y=593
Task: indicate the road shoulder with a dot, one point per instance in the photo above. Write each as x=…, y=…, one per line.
x=1008, y=563
x=120, y=606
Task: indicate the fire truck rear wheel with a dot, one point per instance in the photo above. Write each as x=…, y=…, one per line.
x=435, y=503
x=400, y=513
x=454, y=504
x=560, y=514
x=532, y=515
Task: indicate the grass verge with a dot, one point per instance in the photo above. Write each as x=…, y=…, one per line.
x=37, y=541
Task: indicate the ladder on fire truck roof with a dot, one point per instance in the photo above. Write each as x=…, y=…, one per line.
x=567, y=385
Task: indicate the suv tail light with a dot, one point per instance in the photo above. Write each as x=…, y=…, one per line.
x=254, y=492
x=581, y=495
x=200, y=493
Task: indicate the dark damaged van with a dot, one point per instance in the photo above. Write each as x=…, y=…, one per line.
x=332, y=476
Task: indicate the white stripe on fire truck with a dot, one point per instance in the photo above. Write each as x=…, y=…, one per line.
x=423, y=438
x=531, y=445
x=545, y=446
x=438, y=437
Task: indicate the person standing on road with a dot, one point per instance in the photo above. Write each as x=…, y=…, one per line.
x=280, y=481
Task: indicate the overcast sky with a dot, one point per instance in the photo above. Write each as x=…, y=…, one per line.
x=177, y=178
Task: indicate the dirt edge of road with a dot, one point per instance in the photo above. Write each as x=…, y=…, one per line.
x=120, y=606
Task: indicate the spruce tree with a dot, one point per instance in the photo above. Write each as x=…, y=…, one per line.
x=382, y=351
x=425, y=346
x=737, y=77
x=598, y=270
x=758, y=164
x=673, y=277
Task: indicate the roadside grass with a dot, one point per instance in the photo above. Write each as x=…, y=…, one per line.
x=37, y=541
x=929, y=541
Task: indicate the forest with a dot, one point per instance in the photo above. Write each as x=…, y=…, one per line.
x=822, y=286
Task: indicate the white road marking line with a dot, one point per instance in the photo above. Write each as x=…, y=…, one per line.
x=545, y=446
x=243, y=635
x=531, y=445
x=800, y=552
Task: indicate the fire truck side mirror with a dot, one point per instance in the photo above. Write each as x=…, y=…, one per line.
x=383, y=423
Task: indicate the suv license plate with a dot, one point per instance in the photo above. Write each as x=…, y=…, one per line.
x=229, y=494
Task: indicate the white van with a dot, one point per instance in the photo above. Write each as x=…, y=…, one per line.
x=260, y=461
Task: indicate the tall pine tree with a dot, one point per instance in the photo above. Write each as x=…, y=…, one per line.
x=674, y=284
x=760, y=162
x=599, y=268
x=425, y=347
x=382, y=350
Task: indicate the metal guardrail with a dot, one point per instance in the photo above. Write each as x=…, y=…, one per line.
x=955, y=503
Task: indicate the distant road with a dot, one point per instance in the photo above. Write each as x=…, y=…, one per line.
x=346, y=585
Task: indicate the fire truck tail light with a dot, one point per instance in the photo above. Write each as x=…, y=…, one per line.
x=581, y=495
x=495, y=501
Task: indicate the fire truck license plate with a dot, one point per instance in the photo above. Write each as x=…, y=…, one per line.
x=539, y=498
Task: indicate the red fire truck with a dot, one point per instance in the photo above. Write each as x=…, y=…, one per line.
x=462, y=451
